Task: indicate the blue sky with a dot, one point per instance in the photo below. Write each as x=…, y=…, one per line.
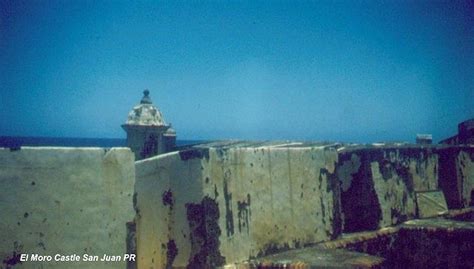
x=349, y=71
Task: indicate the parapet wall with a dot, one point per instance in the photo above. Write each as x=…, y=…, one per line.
x=65, y=201
x=456, y=175
x=164, y=184
x=217, y=205
x=225, y=203
x=378, y=184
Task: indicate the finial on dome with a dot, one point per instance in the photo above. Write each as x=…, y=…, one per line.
x=146, y=98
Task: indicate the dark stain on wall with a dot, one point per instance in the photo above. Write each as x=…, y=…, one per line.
x=448, y=178
x=229, y=217
x=41, y=245
x=244, y=213
x=14, y=258
x=451, y=177
x=345, y=170
x=195, y=215
x=167, y=198
x=334, y=187
x=131, y=242
x=323, y=209
x=222, y=152
x=203, y=223
x=171, y=253
x=215, y=192
x=403, y=172
x=194, y=153
x=396, y=161
x=397, y=216
x=297, y=243
x=135, y=204
x=385, y=169
x=359, y=203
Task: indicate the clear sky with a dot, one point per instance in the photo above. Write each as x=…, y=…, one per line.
x=346, y=71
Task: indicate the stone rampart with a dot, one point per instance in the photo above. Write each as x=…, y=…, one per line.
x=65, y=201
x=222, y=203
x=219, y=204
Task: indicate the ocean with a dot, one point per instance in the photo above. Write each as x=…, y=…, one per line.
x=15, y=142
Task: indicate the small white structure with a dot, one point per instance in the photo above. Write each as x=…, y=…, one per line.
x=424, y=139
x=147, y=132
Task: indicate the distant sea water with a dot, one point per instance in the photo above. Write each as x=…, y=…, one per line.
x=15, y=142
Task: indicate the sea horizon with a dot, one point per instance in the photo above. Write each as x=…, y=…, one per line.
x=45, y=141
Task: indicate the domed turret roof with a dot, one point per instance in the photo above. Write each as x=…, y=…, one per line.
x=170, y=131
x=145, y=113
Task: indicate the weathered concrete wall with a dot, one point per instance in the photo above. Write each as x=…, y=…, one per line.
x=217, y=203
x=456, y=174
x=378, y=184
x=65, y=201
x=260, y=189
x=466, y=172
x=163, y=187
x=232, y=203
x=221, y=203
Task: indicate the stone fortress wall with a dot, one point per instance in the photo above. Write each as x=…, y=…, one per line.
x=65, y=201
x=222, y=203
x=229, y=202
x=218, y=203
